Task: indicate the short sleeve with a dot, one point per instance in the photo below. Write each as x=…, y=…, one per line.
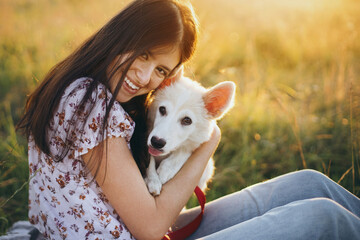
x=84, y=124
x=119, y=124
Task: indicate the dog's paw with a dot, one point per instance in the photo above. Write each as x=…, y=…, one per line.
x=154, y=185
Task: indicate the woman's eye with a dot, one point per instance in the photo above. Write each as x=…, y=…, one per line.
x=162, y=110
x=144, y=56
x=162, y=71
x=186, y=121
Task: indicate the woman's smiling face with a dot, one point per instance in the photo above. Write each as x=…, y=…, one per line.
x=145, y=73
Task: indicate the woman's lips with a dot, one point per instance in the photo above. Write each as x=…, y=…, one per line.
x=130, y=86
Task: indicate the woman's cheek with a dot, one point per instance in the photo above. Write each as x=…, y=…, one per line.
x=155, y=85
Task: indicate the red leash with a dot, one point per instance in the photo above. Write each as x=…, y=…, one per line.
x=191, y=227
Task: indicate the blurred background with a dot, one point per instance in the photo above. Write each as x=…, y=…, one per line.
x=296, y=65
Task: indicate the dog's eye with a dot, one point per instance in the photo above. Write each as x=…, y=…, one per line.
x=162, y=110
x=186, y=121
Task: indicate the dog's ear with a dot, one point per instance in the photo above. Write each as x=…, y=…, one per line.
x=219, y=99
x=171, y=80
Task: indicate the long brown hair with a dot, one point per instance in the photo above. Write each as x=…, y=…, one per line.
x=141, y=26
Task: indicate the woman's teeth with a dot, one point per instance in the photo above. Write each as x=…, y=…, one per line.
x=130, y=84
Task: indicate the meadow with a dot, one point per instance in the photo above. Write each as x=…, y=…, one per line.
x=296, y=65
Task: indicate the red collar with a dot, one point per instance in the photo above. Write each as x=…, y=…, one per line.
x=191, y=227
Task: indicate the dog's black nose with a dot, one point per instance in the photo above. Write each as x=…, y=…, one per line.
x=157, y=142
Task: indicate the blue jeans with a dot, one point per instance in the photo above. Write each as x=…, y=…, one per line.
x=299, y=205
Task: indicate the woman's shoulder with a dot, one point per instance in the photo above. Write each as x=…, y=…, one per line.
x=97, y=99
x=83, y=121
x=77, y=88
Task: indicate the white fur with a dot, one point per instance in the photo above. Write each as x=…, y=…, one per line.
x=183, y=98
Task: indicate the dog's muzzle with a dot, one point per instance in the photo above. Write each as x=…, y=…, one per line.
x=157, y=143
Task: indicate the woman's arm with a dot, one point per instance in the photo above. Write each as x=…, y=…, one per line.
x=148, y=217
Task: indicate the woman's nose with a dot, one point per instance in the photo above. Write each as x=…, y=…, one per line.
x=144, y=73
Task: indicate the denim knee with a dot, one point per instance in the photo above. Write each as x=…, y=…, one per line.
x=313, y=181
x=328, y=209
x=317, y=218
x=313, y=184
x=335, y=219
x=310, y=174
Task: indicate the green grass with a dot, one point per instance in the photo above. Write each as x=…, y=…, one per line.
x=296, y=65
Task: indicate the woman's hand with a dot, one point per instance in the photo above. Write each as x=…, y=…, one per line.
x=208, y=148
x=215, y=136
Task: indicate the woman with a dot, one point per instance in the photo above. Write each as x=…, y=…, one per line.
x=88, y=158
x=77, y=124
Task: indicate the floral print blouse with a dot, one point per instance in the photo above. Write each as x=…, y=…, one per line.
x=63, y=201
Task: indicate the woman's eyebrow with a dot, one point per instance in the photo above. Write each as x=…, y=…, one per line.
x=151, y=54
x=165, y=68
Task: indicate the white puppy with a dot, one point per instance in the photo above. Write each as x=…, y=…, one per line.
x=181, y=116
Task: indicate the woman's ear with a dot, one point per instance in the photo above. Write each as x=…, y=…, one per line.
x=219, y=99
x=168, y=81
